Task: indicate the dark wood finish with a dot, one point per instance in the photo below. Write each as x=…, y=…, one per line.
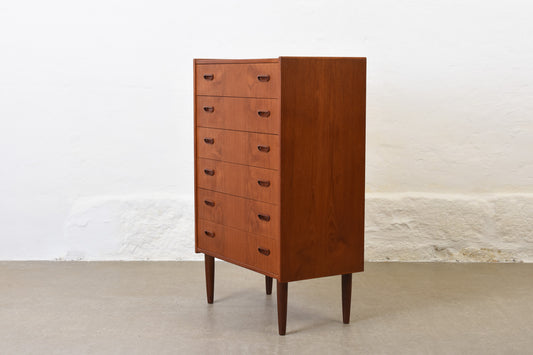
x=239, y=80
x=242, y=114
x=282, y=290
x=238, y=147
x=322, y=166
x=209, y=262
x=346, y=297
x=268, y=285
x=280, y=168
x=239, y=180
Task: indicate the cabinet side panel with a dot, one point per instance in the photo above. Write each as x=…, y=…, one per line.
x=322, y=166
x=195, y=162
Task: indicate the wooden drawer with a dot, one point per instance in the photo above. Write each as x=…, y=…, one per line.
x=244, y=114
x=240, y=213
x=247, y=249
x=255, y=149
x=240, y=180
x=242, y=80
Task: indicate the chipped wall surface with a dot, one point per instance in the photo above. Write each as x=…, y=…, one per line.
x=96, y=105
x=131, y=228
x=448, y=227
x=399, y=227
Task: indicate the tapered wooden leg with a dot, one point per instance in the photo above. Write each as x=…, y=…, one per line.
x=209, y=277
x=346, y=297
x=282, y=288
x=268, y=285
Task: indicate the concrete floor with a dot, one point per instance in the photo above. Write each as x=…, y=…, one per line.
x=160, y=308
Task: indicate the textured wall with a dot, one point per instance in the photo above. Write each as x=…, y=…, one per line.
x=399, y=227
x=96, y=111
x=449, y=227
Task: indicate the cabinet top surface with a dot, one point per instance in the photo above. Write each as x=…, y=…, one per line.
x=259, y=60
x=235, y=61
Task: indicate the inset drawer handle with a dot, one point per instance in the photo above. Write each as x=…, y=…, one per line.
x=209, y=109
x=209, y=203
x=209, y=140
x=263, y=113
x=263, y=78
x=263, y=148
x=209, y=234
x=264, y=251
x=209, y=76
x=264, y=183
x=264, y=217
x=209, y=172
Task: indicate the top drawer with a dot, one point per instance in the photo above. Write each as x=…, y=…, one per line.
x=241, y=80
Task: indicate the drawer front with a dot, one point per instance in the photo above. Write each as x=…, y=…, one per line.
x=243, y=248
x=242, y=80
x=247, y=215
x=255, y=149
x=243, y=114
x=240, y=180
x=235, y=245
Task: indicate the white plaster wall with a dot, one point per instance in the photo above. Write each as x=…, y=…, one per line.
x=96, y=120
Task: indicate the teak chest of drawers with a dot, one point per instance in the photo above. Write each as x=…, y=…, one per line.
x=280, y=169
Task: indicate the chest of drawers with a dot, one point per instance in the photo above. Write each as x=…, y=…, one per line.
x=280, y=169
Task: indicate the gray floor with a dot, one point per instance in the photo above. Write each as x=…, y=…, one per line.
x=160, y=308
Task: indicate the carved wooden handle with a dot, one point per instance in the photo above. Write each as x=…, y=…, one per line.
x=209, y=140
x=209, y=109
x=264, y=183
x=263, y=148
x=209, y=76
x=209, y=203
x=264, y=217
x=264, y=251
x=263, y=78
x=209, y=234
x=264, y=114
x=209, y=172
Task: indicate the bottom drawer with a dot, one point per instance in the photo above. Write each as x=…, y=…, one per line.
x=246, y=249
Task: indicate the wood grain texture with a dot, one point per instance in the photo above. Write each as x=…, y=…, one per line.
x=238, y=147
x=239, y=213
x=239, y=180
x=240, y=80
x=322, y=166
x=241, y=114
x=239, y=247
x=310, y=147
